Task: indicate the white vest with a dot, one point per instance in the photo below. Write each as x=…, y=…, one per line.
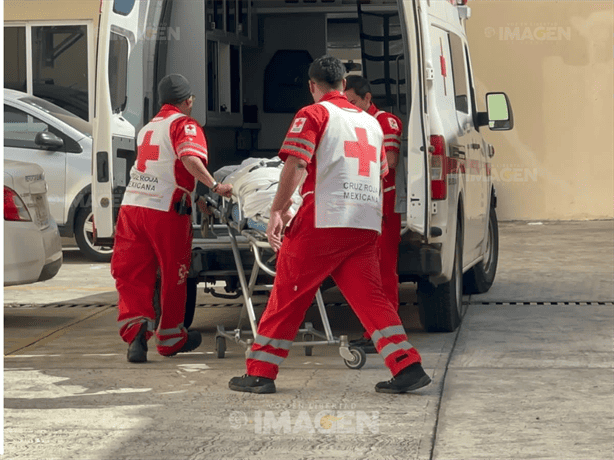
x=154, y=187
x=347, y=191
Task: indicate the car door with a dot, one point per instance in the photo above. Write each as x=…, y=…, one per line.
x=20, y=131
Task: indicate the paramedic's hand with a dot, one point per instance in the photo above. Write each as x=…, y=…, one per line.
x=286, y=217
x=202, y=205
x=224, y=189
x=274, y=229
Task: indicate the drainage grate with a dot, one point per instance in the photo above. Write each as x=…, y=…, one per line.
x=58, y=305
x=558, y=302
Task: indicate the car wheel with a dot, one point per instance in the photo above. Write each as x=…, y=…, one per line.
x=84, y=235
x=481, y=276
x=441, y=307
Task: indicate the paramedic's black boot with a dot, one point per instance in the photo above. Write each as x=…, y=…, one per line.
x=365, y=343
x=193, y=342
x=409, y=379
x=137, y=350
x=252, y=384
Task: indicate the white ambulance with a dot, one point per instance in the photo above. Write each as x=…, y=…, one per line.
x=247, y=62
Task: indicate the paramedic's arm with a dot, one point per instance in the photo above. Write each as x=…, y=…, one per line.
x=393, y=159
x=195, y=166
x=291, y=176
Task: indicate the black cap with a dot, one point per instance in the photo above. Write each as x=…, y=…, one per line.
x=174, y=89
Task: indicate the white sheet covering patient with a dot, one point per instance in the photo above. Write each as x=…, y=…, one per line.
x=255, y=183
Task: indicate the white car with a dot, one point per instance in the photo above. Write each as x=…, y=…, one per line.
x=39, y=132
x=32, y=243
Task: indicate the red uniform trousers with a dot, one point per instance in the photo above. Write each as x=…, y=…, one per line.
x=307, y=256
x=146, y=239
x=388, y=251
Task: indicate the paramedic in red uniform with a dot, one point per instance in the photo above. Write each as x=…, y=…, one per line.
x=154, y=229
x=358, y=92
x=334, y=233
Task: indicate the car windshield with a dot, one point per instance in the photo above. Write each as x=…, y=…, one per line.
x=69, y=118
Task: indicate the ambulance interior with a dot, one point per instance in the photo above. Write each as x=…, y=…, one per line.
x=252, y=77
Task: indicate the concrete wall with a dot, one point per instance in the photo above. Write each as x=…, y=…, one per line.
x=554, y=60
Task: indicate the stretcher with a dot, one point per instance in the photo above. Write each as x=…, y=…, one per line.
x=242, y=232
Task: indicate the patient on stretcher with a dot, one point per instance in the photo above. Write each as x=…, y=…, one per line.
x=255, y=183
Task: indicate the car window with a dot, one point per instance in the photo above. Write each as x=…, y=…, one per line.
x=58, y=112
x=20, y=129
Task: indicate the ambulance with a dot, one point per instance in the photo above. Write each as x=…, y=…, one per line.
x=247, y=62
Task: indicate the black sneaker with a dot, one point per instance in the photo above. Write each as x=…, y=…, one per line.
x=193, y=342
x=366, y=344
x=409, y=379
x=137, y=350
x=252, y=384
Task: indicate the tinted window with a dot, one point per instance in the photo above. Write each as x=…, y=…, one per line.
x=15, y=58
x=118, y=71
x=459, y=72
x=20, y=129
x=59, y=67
x=123, y=7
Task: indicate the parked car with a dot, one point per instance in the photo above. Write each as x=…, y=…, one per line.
x=37, y=131
x=32, y=243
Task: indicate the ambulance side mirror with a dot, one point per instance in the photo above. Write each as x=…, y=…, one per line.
x=499, y=115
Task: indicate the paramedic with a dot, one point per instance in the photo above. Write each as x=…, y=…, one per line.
x=333, y=233
x=358, y=93
x=154, y=229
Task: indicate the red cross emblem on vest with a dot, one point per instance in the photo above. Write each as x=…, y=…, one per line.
x=147, y=152
x=361, y=149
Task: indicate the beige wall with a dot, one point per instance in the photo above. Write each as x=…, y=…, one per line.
x=555, y=62
x=51, y=10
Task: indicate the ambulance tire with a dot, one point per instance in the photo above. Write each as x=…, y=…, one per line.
x=190, y=302
x=480, y=277
x=441, y=307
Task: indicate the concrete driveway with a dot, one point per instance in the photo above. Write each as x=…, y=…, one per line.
x=528, y=375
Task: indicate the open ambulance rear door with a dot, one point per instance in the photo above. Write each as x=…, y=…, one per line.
x=418, y=181
x=125, y=66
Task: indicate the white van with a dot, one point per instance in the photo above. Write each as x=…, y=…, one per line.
x=247, y=63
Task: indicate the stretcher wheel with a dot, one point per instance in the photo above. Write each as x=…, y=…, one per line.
x=308, y=338
x=359, y=358
x=220, y=347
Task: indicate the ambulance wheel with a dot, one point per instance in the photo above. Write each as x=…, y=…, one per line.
x=308, y=338
x=190, y=302
x=220, y=347
x=480, y=277
x=359, y=358
x=441, y=306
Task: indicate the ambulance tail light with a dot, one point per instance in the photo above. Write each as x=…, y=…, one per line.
x=439, y=168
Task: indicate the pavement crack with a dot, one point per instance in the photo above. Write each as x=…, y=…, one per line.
x=60, y=330
x=443, y=384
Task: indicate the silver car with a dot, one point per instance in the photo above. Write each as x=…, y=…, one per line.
x=32, y=244
x=40, y=132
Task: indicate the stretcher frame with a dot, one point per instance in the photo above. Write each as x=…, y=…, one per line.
x=353, y=357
